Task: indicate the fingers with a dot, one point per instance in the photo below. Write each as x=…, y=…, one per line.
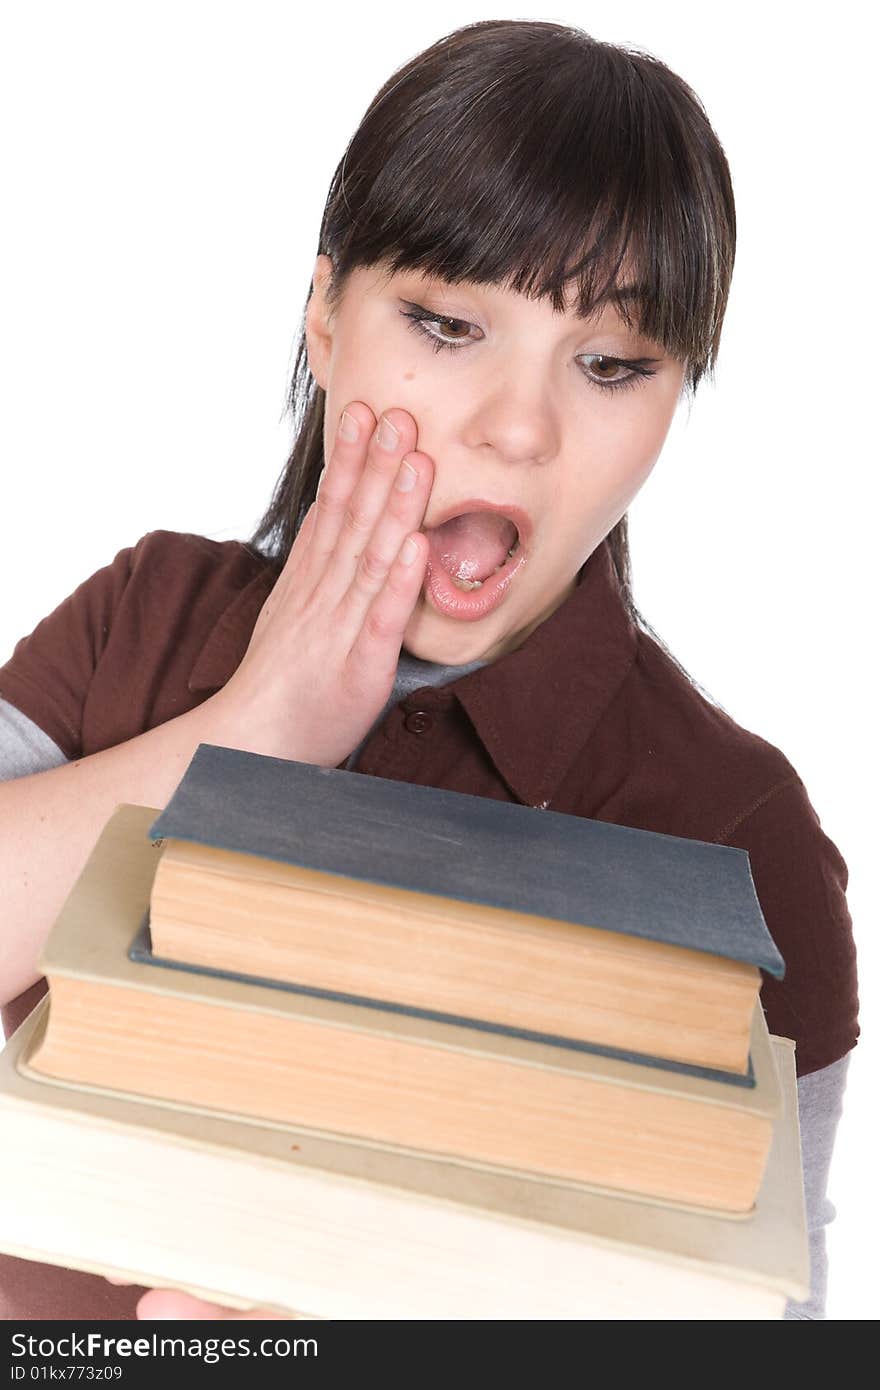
x=168, y=1304
x=379, y=637
x=298, y=551
x=388, y=561
x=305, y=530
x=353, y=496
x=360, y=555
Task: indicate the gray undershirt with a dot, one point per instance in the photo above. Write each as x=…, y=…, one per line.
x=412, y=674
x=25, y=749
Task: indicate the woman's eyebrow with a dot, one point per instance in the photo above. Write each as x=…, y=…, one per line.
x=612, y=296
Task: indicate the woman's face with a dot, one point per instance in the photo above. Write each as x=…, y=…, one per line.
x=514, y=412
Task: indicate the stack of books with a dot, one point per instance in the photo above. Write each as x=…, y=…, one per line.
x=348, y=1047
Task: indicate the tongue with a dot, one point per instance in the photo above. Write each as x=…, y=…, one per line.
x=472, y=546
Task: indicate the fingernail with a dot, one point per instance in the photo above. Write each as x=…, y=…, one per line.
x=387, y=436
x=348, y=428
x=409, y=551
x=406, y=477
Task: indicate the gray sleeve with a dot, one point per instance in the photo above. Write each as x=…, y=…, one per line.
x=24, y=748
x=820, y=1103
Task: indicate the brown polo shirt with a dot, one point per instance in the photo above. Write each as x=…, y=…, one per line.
x=590, y=717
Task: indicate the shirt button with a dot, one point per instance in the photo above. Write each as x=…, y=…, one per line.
x=419, y=721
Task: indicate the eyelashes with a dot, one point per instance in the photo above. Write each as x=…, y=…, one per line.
x=638, y=370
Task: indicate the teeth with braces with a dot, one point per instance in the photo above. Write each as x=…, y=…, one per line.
x=468, y=584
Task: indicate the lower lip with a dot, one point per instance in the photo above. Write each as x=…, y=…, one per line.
x=469, y=605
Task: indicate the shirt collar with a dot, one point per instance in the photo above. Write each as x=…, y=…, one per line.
x=533, y=709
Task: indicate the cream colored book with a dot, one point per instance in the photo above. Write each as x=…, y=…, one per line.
x=400, y=1079
x=252, y=1215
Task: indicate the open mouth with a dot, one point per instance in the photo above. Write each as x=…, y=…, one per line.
x=474, y=544
x=466, y=585
x=474, y=555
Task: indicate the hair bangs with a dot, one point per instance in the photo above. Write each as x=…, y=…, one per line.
x=574, y=179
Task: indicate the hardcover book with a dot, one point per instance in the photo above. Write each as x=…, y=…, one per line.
x=314, y=1225
x=389, y=1077
x=422, y=899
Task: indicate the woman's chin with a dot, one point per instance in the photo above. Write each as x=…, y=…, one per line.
x=431, y=637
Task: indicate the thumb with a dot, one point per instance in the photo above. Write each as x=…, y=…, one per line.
x=169, y=1304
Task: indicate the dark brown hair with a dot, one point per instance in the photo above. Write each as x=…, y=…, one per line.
x=527, y=154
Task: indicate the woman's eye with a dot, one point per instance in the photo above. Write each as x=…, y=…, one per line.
x=602, y=366
x=449, y=327
x=599, y=366
x=603, y=372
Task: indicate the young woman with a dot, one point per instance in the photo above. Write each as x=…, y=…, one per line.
x=522, y=270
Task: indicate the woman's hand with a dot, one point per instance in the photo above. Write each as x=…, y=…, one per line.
x=323, y=653
x=167, y=1303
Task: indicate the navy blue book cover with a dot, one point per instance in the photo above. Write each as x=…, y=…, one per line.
x=474, y=849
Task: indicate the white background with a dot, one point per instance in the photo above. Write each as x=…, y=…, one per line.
x=164, y=170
